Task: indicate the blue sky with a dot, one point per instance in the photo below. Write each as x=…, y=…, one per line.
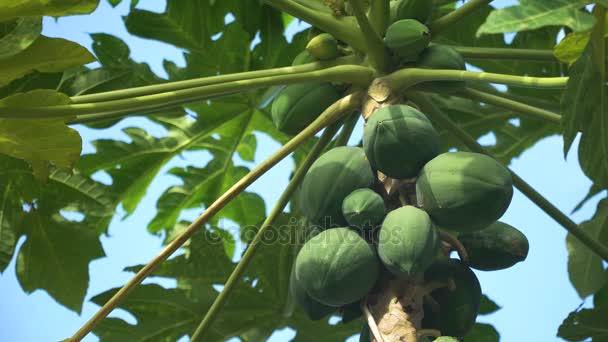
x=536, y=295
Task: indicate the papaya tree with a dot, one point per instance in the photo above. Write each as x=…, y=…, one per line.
x=386, y=234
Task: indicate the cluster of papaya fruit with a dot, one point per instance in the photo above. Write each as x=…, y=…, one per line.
x=366, y=234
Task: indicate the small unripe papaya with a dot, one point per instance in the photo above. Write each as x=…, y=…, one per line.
x=332, y=177
x=312, y=308
x=496, y=247
x=458, y=305
x=298, y=105
x=351, y=312
x=419, y=10
x=337, y=267
x=407, y=38
x=408, y=241
x=446, y=339
x=323, y=46
x=440, y=57
x=363, y=209
x=464, y=191
x=398, y=141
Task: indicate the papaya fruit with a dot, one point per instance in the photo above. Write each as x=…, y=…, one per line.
x=496, y=247
x=398, y=141
x=323, y=46
x=337, y=267
x=407, y=38
x=408, y=241
x=440, y=57
x=446, y=339
x=332, y=177
x=304, y=57
x=420, y=10
x=464, y=191
x=312, y=308
x=458, y=306
x=298, y=105
x=363, y=209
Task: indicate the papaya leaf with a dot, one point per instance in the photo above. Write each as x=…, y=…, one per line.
x=42, y=141
x=594, y=190
x=10, y=211
x=487, y=306
x=533, y=14
x=482, y=332
x=18, y=34
x=583, y=324
x=584, y=110
x=572, y=47
x=44, y=55
x=55, y=8
x=55, y=257
x=585, y=268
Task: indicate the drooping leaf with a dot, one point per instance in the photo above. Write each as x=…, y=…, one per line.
x=482, y=332
x=56, y=8
x=585, y=268
x=487, y=306
x=533, y=14
x=18, y=34
x=44, y=55
x=39, y=141
x=584, y=109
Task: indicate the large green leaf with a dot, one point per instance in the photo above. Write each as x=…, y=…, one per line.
x=39, y=142
x=587, y=323
x=584, y=266
x=56, y=8
x=533, y=14
x=44, y=55
x=56, y=252
x=584, y=110
x=18, y=34
x=55, y=257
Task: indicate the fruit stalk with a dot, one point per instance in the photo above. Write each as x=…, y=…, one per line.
x=453, y=17
x=376, y=51
x=527, y=110
x=332, y=114
x=535, y=55
x=440, y=119
x=141, y=104
x=340, y=28
x=205, y=81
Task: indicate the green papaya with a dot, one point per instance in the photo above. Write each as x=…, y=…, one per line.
x=440, y=57
x=304, y=57
x=408, y=241
x=464, y=191
x=496, y=247
x=458, y=306
x=331, y=178
x=323, y=46
x=398, y=141
x=337, y=267
x=407, y=38
x=312, y=308
x=363, y=209
x=420, y=10
x=446, y=339
x=298, y=105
